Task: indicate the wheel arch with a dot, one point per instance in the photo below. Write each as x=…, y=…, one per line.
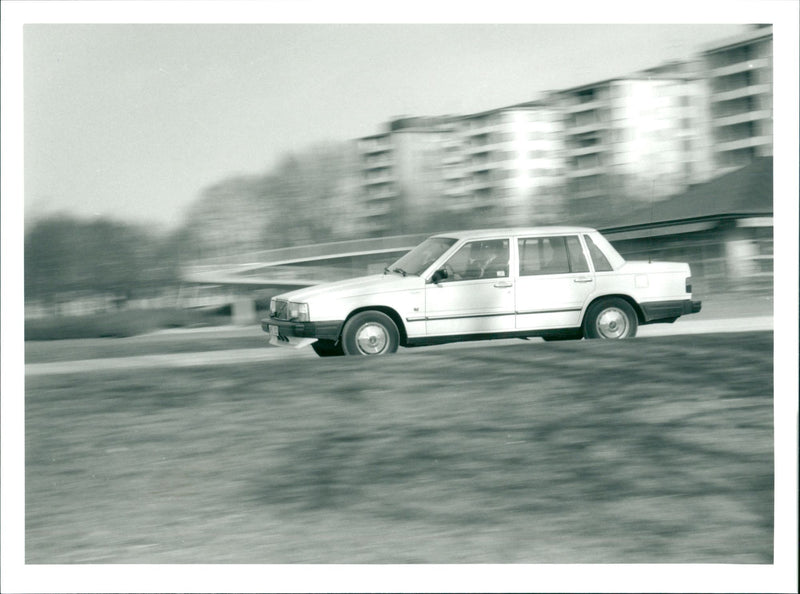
x=631, y=301
x=392, y=313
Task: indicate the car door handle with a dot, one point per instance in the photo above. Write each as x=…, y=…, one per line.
x=503, y=285
x=581, y=279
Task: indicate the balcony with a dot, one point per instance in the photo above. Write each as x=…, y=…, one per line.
x=585, y=106
x=480, y=185
x=380, y=193
x=589, y=194
x=731, y=94
x=742, y=143
x=585, y=172
x=585, y=150
x=376, y=209
x=453, y=175
x=586, y=128
x=452, y=159
x=755, y=64
x=749, y=116
x=372, y=146
x=472, y=150
x=378, y=163
x=377, y=179
x=478, y=129
x=478, y=165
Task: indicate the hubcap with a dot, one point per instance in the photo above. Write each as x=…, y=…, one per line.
x=612, y=323
x=371, y=339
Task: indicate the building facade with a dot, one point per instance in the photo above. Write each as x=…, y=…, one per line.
x=585, y=154
x=632, y=140
x=739, y=75
x=400, y=172
x=507, y=165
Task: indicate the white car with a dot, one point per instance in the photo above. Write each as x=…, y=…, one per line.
x=555, y=282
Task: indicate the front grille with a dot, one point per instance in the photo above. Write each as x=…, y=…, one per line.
x=281, y=309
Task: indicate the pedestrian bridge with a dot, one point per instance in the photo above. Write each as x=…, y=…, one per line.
x=301, y=266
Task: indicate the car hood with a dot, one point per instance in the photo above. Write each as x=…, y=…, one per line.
x=363, y=285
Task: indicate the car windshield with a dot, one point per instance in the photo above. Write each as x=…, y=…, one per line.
x=417, y=260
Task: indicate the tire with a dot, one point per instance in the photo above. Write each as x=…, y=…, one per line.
x=370, y=333
x=611, y=318
x=327, y=348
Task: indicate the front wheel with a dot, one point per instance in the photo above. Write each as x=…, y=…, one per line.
x=370, y=333
x=610, y=318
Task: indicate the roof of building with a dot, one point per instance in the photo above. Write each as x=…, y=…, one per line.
x=754, y=33
x=742, y=193
x=527, y=106
x=636, y=77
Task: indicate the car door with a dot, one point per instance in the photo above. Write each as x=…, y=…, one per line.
x=554, y=282
x=477, y=296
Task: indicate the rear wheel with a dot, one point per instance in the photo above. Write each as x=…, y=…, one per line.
x=370, y=333
x=327, y=348
x=610, y=318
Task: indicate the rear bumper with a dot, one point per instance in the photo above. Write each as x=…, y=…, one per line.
x=669, y=311
x=324, y=330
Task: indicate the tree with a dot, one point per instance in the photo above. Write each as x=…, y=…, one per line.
x=228, y=218
x=309, y=197
x=65, y=256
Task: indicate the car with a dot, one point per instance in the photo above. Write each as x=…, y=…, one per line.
x=558, y=283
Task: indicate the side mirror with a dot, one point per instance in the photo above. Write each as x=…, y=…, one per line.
x=439, y=275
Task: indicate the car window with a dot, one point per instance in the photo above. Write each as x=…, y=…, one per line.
x=601, y=263
x=577, y=259
x=543, y=255
x=478, y=259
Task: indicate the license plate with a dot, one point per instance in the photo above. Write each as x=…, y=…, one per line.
x=273, y=330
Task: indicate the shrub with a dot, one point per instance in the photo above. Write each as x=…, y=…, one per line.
x=119, y=324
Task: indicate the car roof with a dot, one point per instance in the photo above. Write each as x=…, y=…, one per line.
x=513, y=231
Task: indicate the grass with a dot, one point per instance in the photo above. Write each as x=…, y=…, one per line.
x=645, y=451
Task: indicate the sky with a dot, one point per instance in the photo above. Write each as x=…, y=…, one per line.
x=133, y=121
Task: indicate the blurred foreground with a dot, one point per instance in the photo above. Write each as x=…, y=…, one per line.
x=653, y=450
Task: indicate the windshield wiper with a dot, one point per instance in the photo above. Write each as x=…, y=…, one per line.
x=396, y=269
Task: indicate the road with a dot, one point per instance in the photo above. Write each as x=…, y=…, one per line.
x=686, y=326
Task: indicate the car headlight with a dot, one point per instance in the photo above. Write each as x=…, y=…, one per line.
x=273, y=308
x=298, y=312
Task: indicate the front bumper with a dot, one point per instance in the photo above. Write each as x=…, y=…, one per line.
x=669, y=311
x=287, y=329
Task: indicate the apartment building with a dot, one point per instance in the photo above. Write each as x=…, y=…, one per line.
x=401, y=175
x=739, y=74
x=501, y=167
x=634, y=139
x=506, y=165
x=588, y=150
